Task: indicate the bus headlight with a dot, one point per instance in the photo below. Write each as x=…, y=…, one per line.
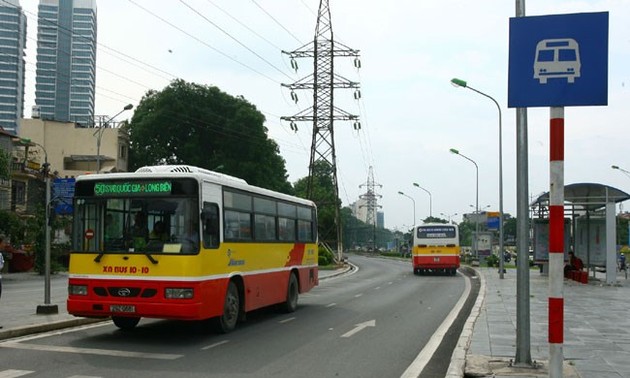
x=77, y=289
x=179, y=292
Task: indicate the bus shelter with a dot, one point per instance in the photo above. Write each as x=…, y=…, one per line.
x=590, y=226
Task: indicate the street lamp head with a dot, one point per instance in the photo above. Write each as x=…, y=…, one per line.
x=454, y=151
x=458, y=83
x=128, y=107
x=614, y=167
x=416, y=184
x=399, y=192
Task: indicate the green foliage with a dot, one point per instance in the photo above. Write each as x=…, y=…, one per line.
x=200, y=125
x=492, y=261
x=434, y=220
x=5, y=165
x=13, y=227
x=324, y=196
x=325, y=257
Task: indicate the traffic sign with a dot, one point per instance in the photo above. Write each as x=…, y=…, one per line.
x=89, y=234
x=558, y=60
x=62, y=194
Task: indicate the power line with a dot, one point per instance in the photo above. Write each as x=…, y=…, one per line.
x=69, y=32
x=277, y=22
x=203, y=42
x=233, y=38
x=245, y=25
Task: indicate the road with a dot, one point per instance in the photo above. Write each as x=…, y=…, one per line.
x=371, y=323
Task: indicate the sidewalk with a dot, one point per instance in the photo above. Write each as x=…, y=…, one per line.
x=596, y=327
x=23, y=292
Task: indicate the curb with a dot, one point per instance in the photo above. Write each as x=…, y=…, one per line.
x=457, y=367
x=40, y=328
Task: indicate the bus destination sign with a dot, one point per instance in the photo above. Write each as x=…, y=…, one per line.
x=131, y=188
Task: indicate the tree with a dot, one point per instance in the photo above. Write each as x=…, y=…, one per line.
x=323, y=194
x=200, y=125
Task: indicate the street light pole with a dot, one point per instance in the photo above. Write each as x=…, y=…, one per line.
x=456, y=152
x=47, y=308
x=99, y=134
x=414, y=208
x=449, y=216
x=464, y=84
x=430, y=200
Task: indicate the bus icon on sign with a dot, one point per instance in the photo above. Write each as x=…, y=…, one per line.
x=557, y=58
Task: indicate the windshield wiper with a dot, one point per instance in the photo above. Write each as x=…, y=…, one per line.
x=99, y=257
x=148, y=255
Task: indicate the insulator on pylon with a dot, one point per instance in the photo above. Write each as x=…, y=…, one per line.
x=293, y=126
x=294, y=64
x=357, y=125
x=357, y=63
x=357, y=94
x=294, y=97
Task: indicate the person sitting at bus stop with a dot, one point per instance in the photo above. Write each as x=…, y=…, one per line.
x=159, y=232
x=575, y=264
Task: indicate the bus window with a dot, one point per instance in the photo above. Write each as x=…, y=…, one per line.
x=210, y=217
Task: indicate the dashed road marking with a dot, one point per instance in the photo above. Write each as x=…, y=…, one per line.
x=215, y=345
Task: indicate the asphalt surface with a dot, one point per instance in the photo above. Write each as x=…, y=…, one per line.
x=596, y=323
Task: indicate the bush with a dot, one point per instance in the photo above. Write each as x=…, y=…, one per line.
x=325, y=257
x=492, y=261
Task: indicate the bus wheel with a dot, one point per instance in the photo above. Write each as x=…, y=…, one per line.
x=231, y=307
x=290, y=305
x=125, y=323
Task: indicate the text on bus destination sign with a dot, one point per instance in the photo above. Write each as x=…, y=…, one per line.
x=132, y=188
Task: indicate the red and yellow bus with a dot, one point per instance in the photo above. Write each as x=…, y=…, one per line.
x=181, y=242
x=436, y=248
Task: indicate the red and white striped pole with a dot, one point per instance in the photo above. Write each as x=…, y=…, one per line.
x=556, y=241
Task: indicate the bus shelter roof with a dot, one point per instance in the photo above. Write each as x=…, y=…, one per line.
x=587, y=196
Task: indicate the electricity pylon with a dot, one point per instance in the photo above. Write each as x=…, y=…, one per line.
x=371, y=202
x=322, y=82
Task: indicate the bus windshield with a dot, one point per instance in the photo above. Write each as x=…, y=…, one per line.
x=109, y=220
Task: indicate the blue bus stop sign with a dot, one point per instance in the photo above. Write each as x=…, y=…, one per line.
x=558, y=60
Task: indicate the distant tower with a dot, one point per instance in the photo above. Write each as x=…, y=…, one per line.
x=323, y=81
x=371, y=200
x=66, y=60
x=12, y=42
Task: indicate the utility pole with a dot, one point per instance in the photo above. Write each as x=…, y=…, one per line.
x=370, y=198
x=322, y=82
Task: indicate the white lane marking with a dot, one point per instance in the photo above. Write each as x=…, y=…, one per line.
x=360, y=327
x=358, y=295
x=331, y=305
x=390, y=282
x=427, y=352
x=215, y=345
x=377, y=288
x=286, y=320
x=14, y=373
x=102, y=352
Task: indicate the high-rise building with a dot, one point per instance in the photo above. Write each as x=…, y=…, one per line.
x=12, y=44
x=66, y=60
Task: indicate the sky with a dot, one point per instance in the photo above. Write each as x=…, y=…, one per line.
x=410, y=114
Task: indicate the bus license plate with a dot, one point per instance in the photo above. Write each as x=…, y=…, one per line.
x=122, y=308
